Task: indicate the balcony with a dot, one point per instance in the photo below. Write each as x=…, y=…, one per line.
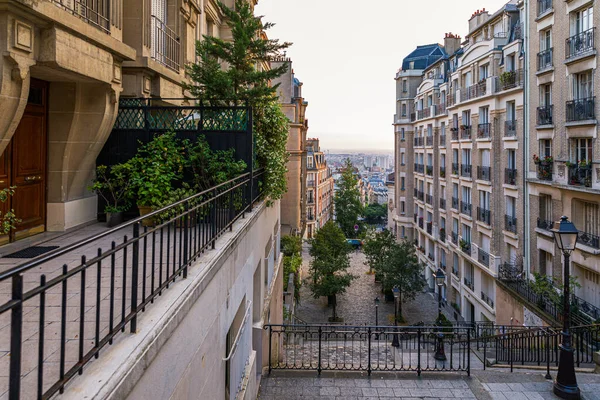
x=310, y=184
x=442, y=140
x=443, y=235
x=510, y=176
x=454, y=168
x=415, y=194
x=484, y=215
x=543, y=6
x=455, y=238
x=429, y=199
x=431, y=257
x=510, y=128
x=510, y=223
x=95, y=13
x=474, y=91
x=589, y=239
x=465, y=132
x=455, y=203
x=442, y=172
x=443, y=204
x=465, y=170
x=544, y=60
x=544, y=170
x=455, y=271
x=429, y=141
x=581, y=109
x=544, y=224
x=488, y=300
x=440, y=109
x=580, y=175
x=454, y=133
x=580, y=44
x=165, y=45
x=413, y=117
x=465, y=208
x=484, y=173
x=311, y=200
x=450, y=99
x=419, y=168
x=418, y=142
x=509, y=80
x=421, y=222
x=424, y=113
x=483, y=257
x=469, y=283
x=421, y=195
x=429, y=228
x=544, y=115
x=415, y=215
x=442, y=266
x=429, y=170
x=483, y=131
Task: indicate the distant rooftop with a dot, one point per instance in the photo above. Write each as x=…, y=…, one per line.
x=423, y=56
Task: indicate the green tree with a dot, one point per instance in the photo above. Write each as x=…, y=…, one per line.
x=229, y=72
x=347, y=200
x=400, y=268
x=330, y=253
x=375, y=213
x=376, y=246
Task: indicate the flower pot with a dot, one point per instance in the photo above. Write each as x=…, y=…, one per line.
x=143, y=211
x=114, y=218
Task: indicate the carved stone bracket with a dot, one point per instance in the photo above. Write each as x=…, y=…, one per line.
x=561, y=170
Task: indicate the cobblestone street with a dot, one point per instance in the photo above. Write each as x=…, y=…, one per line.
x=357, y=306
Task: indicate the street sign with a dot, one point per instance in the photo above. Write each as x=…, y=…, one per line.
x=356, y=228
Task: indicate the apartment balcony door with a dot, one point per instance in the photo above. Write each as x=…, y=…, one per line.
x=23, y=165
x=590, y=286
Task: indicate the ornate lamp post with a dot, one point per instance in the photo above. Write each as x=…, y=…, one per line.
x=376, y=316
x=396, y=292
x=440, y=354
x=565, y=385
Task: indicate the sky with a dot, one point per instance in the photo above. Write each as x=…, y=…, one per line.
x=347, y=52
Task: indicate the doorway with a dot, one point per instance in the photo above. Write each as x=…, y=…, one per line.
x=23, y=166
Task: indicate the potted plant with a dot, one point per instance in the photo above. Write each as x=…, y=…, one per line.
x=8, y=219
x=536, y=159
x=570, y=164
x=113, y=185
x=585, y=164
x=464, y=246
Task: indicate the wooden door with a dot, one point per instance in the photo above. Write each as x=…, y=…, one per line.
x=23, y=165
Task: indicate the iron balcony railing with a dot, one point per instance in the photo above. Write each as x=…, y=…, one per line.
x=487, y=299
x=581, y=109
x=510, y=176
x=455, y=203
x=416, y=216
x=544, y=115
x=96, y=13
x=543, y=6
x=369, y=348
x=484, y=173
x=473, y=91
x=442, y=204
x=450, y=99
x=509, y=80
x=469, y=283
x=483, y=257
x=580, y=176
x=545, y=59
x=510, y=128
x=430, y=227
x=421, y=222
x=580, y=44
x=544, y=224
x=454, y=168
x=429, y=199
x=483, y=130
x=442, y=140
x=440, y=109
x=421, y=195
x=544, y=171
x=465, y=132
x=443, y=235
x=166, y=46
x=465, y=208
x=442, y=172
x=454, y=133
x=109, y=283
x=589, y=239
x=465, y=170
x=455, y=271
x=429, y=141
x=483, y=215
x=413, y=117
x=424, y=113
x=418, y=142
x=510, y=223
x=429, y=170
x=454, y=237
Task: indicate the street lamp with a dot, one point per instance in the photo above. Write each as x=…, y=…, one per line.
x=376, y=316
x=440, y=354
x=565, y=385
x=396, y=292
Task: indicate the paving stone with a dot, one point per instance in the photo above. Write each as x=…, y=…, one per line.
x=440, y=392
x=462, y=393
x=385, y=392
x=370, y=392
x=330, y=391
x=401, y=392
x=516, y=387
x=499, y=387
x=533, y=395
x=498, y=396
x=420, y=393
x=350, y=391
x=378, y=383
x=442, y=384
x=311, y=391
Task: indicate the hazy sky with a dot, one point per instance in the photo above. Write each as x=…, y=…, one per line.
x=347, y=52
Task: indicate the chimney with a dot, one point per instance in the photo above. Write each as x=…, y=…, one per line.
x=451, y=43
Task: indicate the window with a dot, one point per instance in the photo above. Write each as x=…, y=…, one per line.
x=466, y=233
x=443, y=223
x=402, y=135
x=401, y=158
x=484, y=71
x=455, y=225
x=442, y=160
x=587, y=217
x=512, y=159
x=484, y=115
x=455, y=156
x=430, y=160
x=510, y=62
x=511, y=113
x=404, y=86
x=402, y=181
x=466, y=195
x=582, y=149
x=429, y=130
x=455, y=121
x=545, y=207
x=546, y=95
x=402, y=207
x=545, y=40
x=484, y=200
x=485, y=158
x=466, y=157
x=511, y=206
x=582, y=85
x=468, y=79
x=443, y=128
x=403, y=110
x=545, y=148
x=466, y=118
x=582, y=20
x=455, y=190
x=309, y=162
x=429, y=101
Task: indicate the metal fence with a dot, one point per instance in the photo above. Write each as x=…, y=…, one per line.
x=369, y=348
x=104, y=284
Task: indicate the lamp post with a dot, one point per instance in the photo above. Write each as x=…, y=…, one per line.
x=440, y=354
x=376, y=316
x=565, y=385
x=396, y=292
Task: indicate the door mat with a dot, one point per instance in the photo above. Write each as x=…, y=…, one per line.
x=31, y=252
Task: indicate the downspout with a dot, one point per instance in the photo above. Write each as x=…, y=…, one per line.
x=526, y=95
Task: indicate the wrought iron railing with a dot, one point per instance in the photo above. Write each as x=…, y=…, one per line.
x=429, y=199
x=430, y=227
x=455, y=203
x=465, y=170
x=443, y=235
x=581, y=109
x=166, y=46
x=95, y=13
x=544, y=115
x=544, y=224
x=510, y=128
x=454, y=168
x=510, y=176
x=509, y=80
x=483, y=130
x=442, y=172
x=429, y=170
x=442, y=140
x=465, y=208
x=440, y=109
x=469, y=283
x=117, y=281
x=580, y=176
x=544, y=171
x=465, y=132
x=589, y=239
x=484, y=215
x=545, y=59
x=483, y=257
x=510, y=223
x=580, y=44
x=442, y=203
x=421, y=222
x=487, y=299
x=368, y=348
x=454, y=133
x=474, y=91
x=429, y=141
x=484, y=173
x=543, y=6
x=454, y=237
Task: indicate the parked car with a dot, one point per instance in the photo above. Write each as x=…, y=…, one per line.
x=355, y=243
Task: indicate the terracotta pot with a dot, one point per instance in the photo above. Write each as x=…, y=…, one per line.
x=143, y=211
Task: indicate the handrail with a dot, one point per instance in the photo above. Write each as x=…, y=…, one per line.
x=239, y=334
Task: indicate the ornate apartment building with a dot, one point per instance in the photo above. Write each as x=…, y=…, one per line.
x=65, y=65
x=563, y=161
x=459, y=158
x=319, y=192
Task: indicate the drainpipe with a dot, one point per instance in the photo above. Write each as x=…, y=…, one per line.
x=526, y=96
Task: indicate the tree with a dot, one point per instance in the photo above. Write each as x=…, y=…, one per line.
x=347, y=200
x=330, y=253
x=400, y=268
x=376, y=247
x=375, y=213
x=227, y=73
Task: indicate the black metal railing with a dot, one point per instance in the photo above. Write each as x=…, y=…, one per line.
x=440, y=109
x=429, y=227
x=580, y=44
x=420, y=168
x=544, y=115
x=429, y=170
x=454, y=168
x=484, y=173
x=510, y=176
x=419, y=141
x=429, y=140
x=483, y=130
x=487, y=299
x=421, y=222
x=465, y=170
x=368, y=348
x=483, y=257
x=429, y=199
x=443, y=235
x=469, y=283
x=442, y=140
x=545, y=59
x=581, y=109
x=465, y=208
x=589, y=239
x=465, y=132
x=510, y=223
x=454, y=237
x=442, y=204
x=108, y=281
x=95, y=13
x=510, y=128
x=543, y=6
x=420, y=195
x=484, y=215
x=455, y=203
x=442, y=172
x=544, y=224
x=166, y=46
x=473, y=91
x=454, y=133
x=509, y=80
x=580, y=176
x=544, y=171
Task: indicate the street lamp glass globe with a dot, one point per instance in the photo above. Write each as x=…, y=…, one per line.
x=565, y=234
x=440, y=277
